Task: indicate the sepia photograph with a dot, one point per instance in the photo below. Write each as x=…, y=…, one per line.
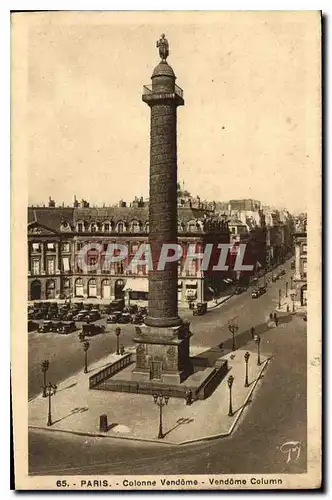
x=166, y=250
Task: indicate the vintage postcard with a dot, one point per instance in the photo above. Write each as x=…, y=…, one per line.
x=166, y=250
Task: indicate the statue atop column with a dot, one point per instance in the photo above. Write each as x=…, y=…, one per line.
x=163, y=46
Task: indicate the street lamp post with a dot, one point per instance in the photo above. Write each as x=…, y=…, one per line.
x=279, y=304
x=246, y=359
x=50, y=391
x=233, y=328
x=45, y=366
x=117, y=333
x=86, y=345
x=160, y=400
x=291, y=282
x=258, y=341
x=286, y=288
x=230, y=381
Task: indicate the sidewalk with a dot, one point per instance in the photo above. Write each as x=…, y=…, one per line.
x=76, y=409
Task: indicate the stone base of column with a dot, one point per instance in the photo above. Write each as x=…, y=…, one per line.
x=162, y=354
x=163, y=322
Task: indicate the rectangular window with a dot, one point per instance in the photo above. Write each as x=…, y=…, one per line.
x=65, y=247
x=134, y=248
x=305, y=266
x=35, y=266
x=80, y=228
x=79, y=245
x=50, y=246
x=106, y=227
x=36, y=247
x=50, y=266
x=66, y=264
x=304, y=248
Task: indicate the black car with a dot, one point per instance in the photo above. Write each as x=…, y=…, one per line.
x=143, y=310
x=262, y=289
x=255, y=293
x=116, y=305
x=32, y=326
x=124, y=318
x=131, y=309
x=67, y=327
x=45, y=327
x=114, y=317
x=89, y=330
x=239, y=289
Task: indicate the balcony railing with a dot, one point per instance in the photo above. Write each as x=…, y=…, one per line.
x=147, y=90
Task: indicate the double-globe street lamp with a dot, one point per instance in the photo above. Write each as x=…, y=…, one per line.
x=230, y=381
x=246, y=359
x=44, y=367
x=160, y=400
x=86, y=345
x=233, y=328
x=117, y=333
x=50, y=391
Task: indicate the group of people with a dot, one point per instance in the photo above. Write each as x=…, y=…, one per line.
x=274, y=317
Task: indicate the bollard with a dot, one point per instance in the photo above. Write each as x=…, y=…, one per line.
x=103, y=425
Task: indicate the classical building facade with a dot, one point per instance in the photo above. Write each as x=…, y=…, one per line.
x=300, y=273
x=56, y=236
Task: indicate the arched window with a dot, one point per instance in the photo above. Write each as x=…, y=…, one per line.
x=107, y=226
x=80, y=227
x=120, y=227
x=135, y=226
x=93, y=227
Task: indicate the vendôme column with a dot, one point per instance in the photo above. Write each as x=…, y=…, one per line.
x=163, y=97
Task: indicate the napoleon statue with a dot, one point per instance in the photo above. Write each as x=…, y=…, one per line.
x=163, y=46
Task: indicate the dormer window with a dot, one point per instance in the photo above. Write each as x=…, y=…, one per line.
x=106, y=227
x=120, y=227
x=93, y=227
x=135, y=227
x=80, y=227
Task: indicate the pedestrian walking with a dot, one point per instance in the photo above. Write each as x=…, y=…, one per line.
x=271, y=317
x=276, y=319
x=188, y=397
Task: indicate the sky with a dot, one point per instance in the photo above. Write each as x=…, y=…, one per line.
x=251, y=86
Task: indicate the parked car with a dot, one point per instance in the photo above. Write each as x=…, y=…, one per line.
x=116, y=305
x=262, y=289
x=282, y=272
x=239, y=289
x=90, y=330
x=131, y=309
x=275, y=277
x=96, y=313
x=55, y=325
x=114, y=317
x=199, y=308
x=81, y=315
x=45, y=327
x=67, y=327
x=124, y=318
x=255, y=293
x=32, y=326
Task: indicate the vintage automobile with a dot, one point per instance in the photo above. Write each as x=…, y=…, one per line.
x=45, y=326
x=55, y=326
x=32, y=326
x=81, y=315
x=255, y=293
x=114, y=317
x=89, y=330
x=239, y=289
x=199, y=308
x=116, y=305
x=96, y=313
x=282, y=272
x=262, y=289
x=124, y=318
x=131, y=309
x=275, y=277
x=67, y=327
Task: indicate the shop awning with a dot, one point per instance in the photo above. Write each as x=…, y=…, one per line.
x=137, y=285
